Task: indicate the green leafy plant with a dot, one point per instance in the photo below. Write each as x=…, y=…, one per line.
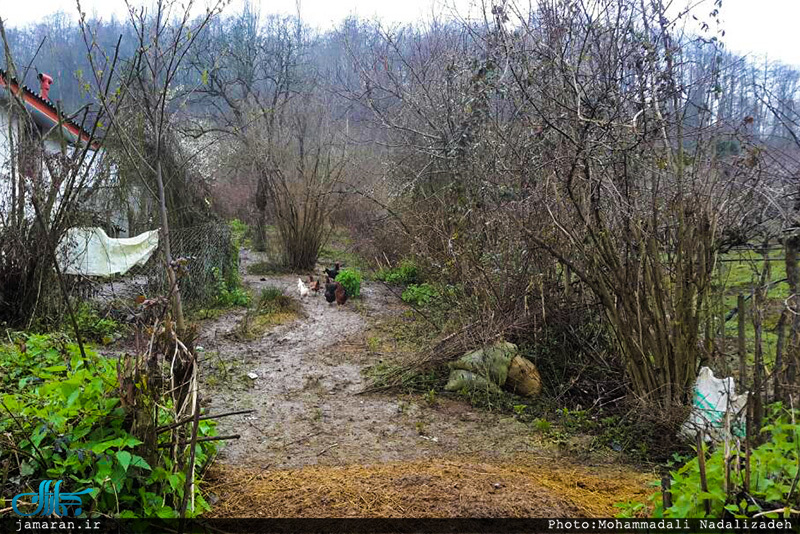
x=351, y=280
x=93, y=326
x=419, y=294
x=405, y=273
x=63, y=419
x=430, y=398
x=629, y=509
x=228, y=294
x=240, y=231
x=773, y=471
x=542, y=425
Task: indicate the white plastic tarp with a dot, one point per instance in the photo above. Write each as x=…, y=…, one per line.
x=90, y=252
x=716, y=406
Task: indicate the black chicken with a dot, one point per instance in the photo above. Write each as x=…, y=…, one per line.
x=330, y=290
x=333, y=273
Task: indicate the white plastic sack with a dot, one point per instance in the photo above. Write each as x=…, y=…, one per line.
x=713, y=399
x=90, y=252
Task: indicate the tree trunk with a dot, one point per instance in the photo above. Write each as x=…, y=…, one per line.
x=793, y=279
x=171, y=276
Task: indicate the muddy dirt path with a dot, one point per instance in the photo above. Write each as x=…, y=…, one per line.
x=314, y=446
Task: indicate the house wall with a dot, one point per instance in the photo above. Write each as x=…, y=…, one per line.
x=51, y=146
x=5, y=162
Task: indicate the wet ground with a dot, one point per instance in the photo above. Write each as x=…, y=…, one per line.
x=315, y=446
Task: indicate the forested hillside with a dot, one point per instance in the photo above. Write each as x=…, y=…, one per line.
x=573, y=208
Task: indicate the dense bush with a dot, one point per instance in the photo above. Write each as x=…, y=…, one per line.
x=405, y=273
x=229, y=294
x=351, y=280
x=93, y=326
x=418, y=294
x=64, y=420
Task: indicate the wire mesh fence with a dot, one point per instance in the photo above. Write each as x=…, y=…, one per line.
x=212, y=261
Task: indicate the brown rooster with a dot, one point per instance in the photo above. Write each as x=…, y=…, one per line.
x=313, y=285
x=341, y=294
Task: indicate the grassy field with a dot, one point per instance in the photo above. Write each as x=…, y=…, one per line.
x=739, y=273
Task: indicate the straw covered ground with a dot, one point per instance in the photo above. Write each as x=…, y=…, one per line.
x=426, y=488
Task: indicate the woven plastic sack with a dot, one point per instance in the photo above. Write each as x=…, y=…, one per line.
x=466, y=380
x=490, y=362
x=715, y=401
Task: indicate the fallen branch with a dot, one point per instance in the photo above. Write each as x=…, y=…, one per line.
x=778, y=511
x=165, y=428
x=303, y=438
x=208, y=438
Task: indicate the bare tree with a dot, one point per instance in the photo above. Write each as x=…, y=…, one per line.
x=52, y=173
x=267, y=102
x=164, y=37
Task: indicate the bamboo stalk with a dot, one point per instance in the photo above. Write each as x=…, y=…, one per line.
x=188, y=490
x=778, y=370
x=747, y=440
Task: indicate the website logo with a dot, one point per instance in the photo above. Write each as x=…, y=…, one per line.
x=51, y=501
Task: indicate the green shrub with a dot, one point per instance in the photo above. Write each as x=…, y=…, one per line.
x=773, y=468
x=239, y=231
x=92, y=326
x=229, y=294
x=62, y=418
x=351, y=280
x=419, y=294
x=405, y=273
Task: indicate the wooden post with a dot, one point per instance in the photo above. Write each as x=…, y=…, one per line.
x=701, y=463
x=666, y=492
x=747, y=440
x=709, y=329
x=777, y=371
x=742, y=341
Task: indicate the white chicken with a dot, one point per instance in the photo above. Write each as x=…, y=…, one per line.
x=302, y=288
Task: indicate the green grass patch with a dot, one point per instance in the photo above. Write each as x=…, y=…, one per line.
x=271, y=308
x=267, y=268
x=739, y=273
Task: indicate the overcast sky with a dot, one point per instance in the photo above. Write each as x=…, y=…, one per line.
x=763, y=27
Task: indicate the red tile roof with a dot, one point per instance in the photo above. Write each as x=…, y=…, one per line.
x=43, y=110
